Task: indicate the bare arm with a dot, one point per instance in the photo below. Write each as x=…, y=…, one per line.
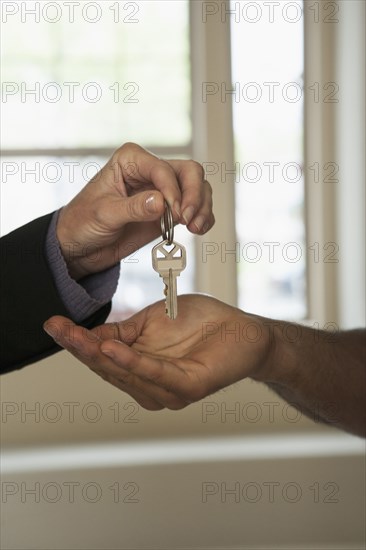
x=212, y=345
x=322, y=374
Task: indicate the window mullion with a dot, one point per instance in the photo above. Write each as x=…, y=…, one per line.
x=216, y=271
x=320, y=145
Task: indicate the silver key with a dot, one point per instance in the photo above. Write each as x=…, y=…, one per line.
x=169, y=263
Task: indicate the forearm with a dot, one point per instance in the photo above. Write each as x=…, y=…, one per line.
x=29, y=296
x=320, y=373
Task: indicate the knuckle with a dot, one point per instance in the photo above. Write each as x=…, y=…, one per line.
x=160, y=169
x=194, y=165
x=125, y=378
x=128, y=145
x=133, y=209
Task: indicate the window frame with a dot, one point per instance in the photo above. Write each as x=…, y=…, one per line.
x=331, y=294
x=335, y=132
x=213, y=141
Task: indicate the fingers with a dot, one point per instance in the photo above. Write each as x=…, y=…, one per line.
x=116, y=368
x=81, y=342
x=143, y=400
x=86, y=342
x=146, y=206
x=160, y=379
x=196, y=203
x=204, y=218
x=181, y=182
x=125, y=331
x=138, y=166
x=84, y=345
x=61, y=328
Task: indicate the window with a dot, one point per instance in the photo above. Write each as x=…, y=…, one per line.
x=267, y=74
x=91, y=80
x=206, y=133
x=76, y=84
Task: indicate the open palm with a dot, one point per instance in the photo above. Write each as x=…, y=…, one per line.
x=164, y=363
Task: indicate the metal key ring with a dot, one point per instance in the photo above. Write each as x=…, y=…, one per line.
x=167, y=224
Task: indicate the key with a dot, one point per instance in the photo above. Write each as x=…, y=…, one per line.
x=169, y=263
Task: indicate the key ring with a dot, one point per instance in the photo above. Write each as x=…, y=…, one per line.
x=167, y=224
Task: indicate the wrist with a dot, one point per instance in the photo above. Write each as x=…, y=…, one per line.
x=71, y=250
x=73, y=263
x=278, y=354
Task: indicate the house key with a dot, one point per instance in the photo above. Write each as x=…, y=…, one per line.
x=169, y=260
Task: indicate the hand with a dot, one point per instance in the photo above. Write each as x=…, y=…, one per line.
x=164, y=363
x=119, y=210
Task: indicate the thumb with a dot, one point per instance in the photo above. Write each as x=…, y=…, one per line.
x=144, y=206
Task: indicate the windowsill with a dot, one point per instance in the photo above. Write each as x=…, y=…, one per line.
x=182, y=451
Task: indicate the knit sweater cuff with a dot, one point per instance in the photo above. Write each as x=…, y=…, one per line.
x=81, y=298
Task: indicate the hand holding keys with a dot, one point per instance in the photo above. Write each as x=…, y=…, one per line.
x=169, y=260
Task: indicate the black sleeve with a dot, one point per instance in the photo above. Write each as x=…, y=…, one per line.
x=28, y=297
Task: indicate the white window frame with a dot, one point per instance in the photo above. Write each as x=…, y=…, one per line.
x=334, y=132
x=213, y=141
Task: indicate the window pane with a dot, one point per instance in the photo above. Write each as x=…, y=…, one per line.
x=267, y=69
x=92, y=74
x=78, y=83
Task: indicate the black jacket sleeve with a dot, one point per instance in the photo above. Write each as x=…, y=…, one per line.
x=28, y=297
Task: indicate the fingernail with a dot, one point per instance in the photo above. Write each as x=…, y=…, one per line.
x=199, y=221
x=150, y=204
x=188, y=214
x=176, y=208
x=51, y=331
x=108, y=352
x=206, y=227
